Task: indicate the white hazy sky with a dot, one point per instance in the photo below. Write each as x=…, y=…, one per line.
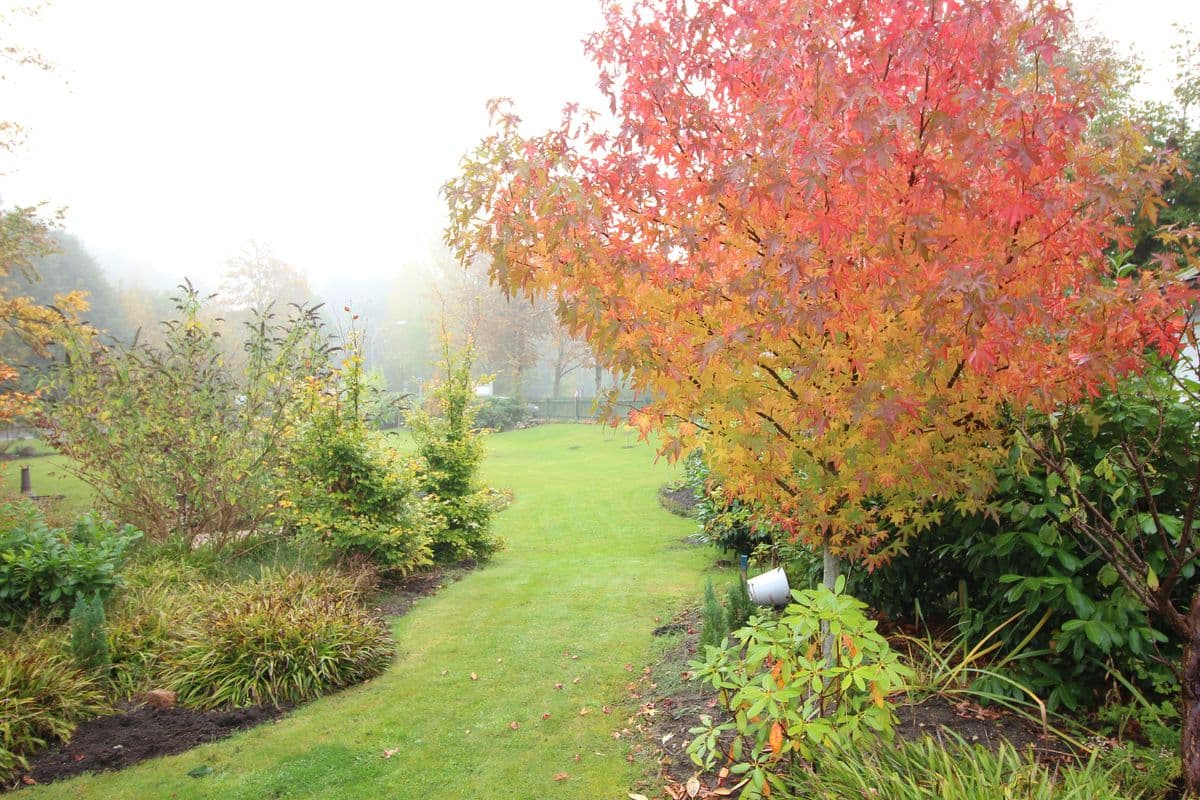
x=173, y=131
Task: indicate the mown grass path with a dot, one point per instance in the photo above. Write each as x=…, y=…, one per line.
x=592, y=559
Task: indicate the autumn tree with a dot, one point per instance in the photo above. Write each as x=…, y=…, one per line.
x=834, y=241
x=25, y=236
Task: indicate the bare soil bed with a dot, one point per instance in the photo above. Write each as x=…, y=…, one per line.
x=119, y=740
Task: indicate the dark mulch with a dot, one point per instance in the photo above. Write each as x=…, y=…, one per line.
x=396, y=598
x=679, y=500
x=117, y=741
x=120, y=740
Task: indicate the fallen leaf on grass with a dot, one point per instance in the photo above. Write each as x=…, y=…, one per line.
x=606, y=710
x=577, y=757
x=545, y=715
x=390, y=752
x=514, y=725
x=633, y=796
x=562, y=776
x=577, y=680
x=445, y=672
x=558, y=686
x=693, y=786
x=474, y=677
x=583, y=712
x=629, y=667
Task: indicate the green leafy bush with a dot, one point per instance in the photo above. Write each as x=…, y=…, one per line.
x=89, y=641
x=787, y=698
x=175, y=437
x=502, y=413
x=43, y=695
x=728, y=523
x=345, y=488
x=44, y=568
x=279, y=640
x=449, y=452
x=930, y=769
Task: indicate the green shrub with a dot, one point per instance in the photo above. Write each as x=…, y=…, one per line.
x=89, y=640
x=345, y=488
x=714, y=629
x=43, y=695
x=279, y=640
x=728, y=523
x=502, y=413
x=449, y=452
x=180, y=438
x=788, y=699
x=1020, y=556
x=44, y=568
x=934, y=770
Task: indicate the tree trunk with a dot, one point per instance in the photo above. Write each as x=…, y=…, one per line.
x=557, y=382
x=831, y=569
x=1190, y=689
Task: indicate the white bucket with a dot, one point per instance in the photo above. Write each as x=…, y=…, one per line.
x=769, y=589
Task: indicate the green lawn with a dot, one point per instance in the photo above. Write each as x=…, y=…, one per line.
x=48, y=478
x=592, y=559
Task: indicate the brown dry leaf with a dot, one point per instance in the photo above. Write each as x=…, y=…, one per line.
x=28, y=780
x=577, y=757
x=562, y=776
x=629, y=667
x=606, y=710
x=583, y=712
x=474, y=677
x=545, y=715
x=633, y=796
x=616, y=734
x=574, y=658
x=693, y=786
x=391, y=752
x=722, y=775
x=445, y=672
x=576, y=680
x=723, y=792
x=514, y=725
x=558, y=686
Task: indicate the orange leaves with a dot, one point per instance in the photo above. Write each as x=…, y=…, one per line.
x=835, y=286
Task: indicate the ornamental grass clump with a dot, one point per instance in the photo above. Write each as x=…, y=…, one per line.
x=279, y=640
x=43, y=695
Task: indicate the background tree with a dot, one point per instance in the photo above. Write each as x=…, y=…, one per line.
x=256, y=278
x=566, y=354
x=508, y=332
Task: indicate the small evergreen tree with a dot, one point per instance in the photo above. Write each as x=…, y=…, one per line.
x=89, y=642
x=738, y=605
x=449, y=451
x=714, y=631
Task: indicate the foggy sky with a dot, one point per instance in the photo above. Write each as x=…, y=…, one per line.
x=173, y=132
